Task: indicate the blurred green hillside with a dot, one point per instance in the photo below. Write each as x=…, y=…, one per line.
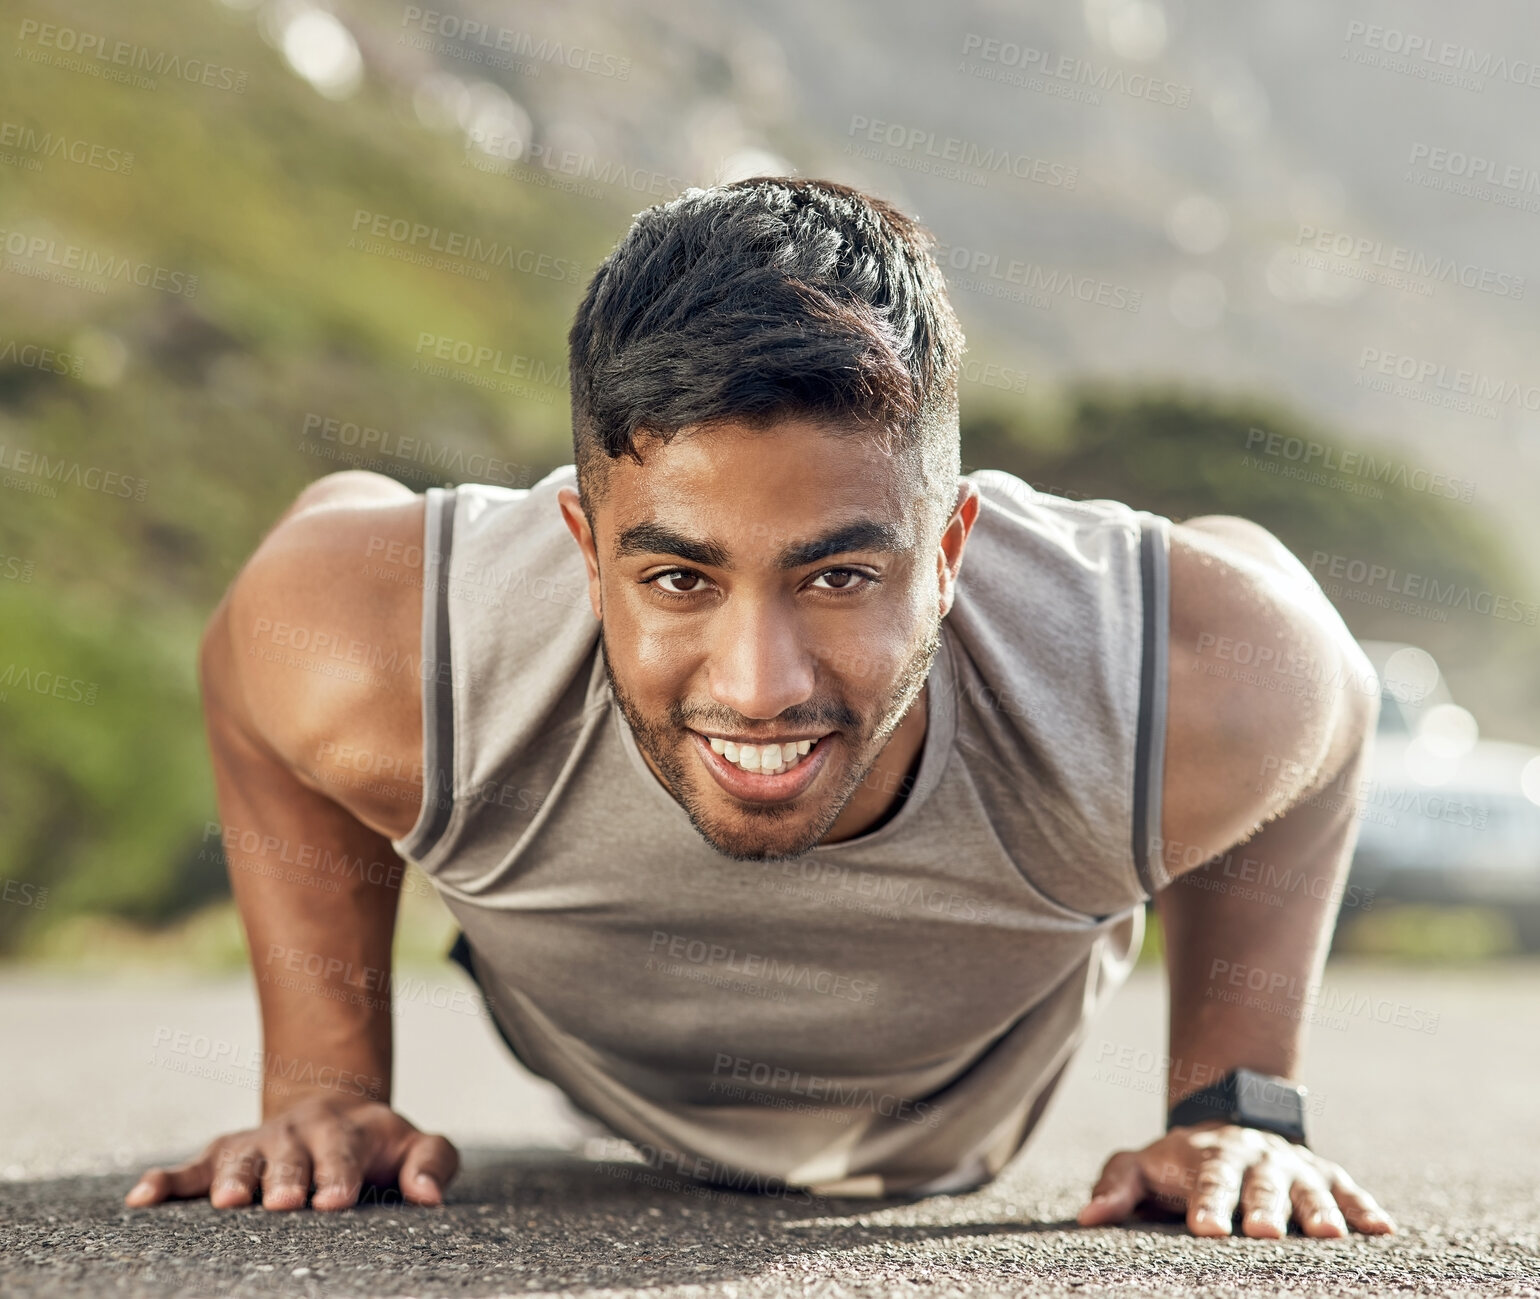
x=213, y=405
x=1183, y=454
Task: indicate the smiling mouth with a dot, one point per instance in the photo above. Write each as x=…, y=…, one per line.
x=783, y=781
x=769, y=758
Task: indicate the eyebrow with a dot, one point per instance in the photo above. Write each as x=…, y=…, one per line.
x=658, y=539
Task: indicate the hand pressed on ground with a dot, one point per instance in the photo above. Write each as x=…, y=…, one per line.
x=323, y=1151
x=1211, y=1169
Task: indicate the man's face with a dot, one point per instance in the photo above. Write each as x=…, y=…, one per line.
x=778, y=585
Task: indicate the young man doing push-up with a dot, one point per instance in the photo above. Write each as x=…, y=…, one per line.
x=798, y=796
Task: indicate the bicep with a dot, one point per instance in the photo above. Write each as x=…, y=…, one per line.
x=315, y=657
x=1268, y=692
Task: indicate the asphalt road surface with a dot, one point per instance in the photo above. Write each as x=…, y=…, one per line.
x=1424, y=1086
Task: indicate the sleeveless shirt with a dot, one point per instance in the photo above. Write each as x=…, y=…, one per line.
x=884, y=1015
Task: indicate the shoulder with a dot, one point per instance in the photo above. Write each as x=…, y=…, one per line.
x=315, y=649
x=1269, y=694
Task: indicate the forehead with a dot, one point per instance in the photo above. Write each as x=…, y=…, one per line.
x=746, y=487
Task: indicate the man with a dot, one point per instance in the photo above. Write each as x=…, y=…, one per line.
x=795, y=850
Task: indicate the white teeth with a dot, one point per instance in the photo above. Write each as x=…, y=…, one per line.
x=772, y=759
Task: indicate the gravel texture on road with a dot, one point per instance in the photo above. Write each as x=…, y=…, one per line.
x=1423, y=1086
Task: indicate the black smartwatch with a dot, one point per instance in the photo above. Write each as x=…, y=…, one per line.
x=1250, y=1099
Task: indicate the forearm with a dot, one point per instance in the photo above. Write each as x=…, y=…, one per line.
x=1247, y=935
x=319, y=914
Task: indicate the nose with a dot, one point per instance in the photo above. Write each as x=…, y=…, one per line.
x=760, y=666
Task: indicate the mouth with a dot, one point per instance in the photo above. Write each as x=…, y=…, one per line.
x=764, y=773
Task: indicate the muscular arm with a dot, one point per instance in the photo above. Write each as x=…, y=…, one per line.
x=1258, y=757
x=305, y=654
x=1271, y=714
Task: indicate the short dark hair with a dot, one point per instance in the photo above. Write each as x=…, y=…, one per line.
x=763, y=299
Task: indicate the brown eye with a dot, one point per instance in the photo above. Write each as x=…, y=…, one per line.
x=842, y=579
x=678, y=575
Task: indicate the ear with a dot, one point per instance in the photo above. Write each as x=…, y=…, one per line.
x=954, y=537
x=577, y=524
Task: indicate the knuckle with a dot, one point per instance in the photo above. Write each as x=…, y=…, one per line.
x=1215, y=1178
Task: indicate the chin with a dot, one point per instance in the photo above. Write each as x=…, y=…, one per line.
x=765, y=836
x=745, y=847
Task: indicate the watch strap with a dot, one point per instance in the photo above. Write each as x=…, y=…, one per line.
x=1249, y=1099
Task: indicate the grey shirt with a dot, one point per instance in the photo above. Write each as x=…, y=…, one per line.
x=885, y=1014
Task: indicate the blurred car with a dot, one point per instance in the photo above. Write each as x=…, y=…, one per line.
x=1446, y=816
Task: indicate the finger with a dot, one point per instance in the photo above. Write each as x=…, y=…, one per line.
x=184, y=1182
x=1315, y=1210
x=286, y=1176
x=1359, y=1207
x=1215, y=1190
x=430, y=1163
x=1116, y=1193
x=338, y=1173
x=237, y=1171
x=1265, y=1199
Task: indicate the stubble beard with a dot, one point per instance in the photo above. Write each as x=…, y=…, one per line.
x=772, y=832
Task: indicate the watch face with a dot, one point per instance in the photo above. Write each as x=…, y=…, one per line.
x=1263, y=1100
